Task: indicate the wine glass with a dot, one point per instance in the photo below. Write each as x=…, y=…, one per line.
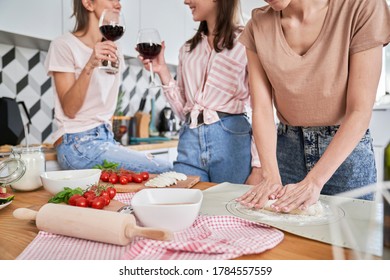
x=149, y=46
x=112, y=27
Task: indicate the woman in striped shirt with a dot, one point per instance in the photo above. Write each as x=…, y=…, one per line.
x=211, y=96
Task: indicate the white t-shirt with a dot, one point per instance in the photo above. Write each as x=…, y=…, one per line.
x=68, y=54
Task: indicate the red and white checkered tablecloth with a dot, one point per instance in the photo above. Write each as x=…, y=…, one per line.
x=209, y=238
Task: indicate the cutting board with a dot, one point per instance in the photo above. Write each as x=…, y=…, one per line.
x=135, y=187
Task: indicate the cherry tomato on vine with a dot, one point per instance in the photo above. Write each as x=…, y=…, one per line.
x=123, y=180
x=73, y=198
x=98, y=203
x=111, y=192
x=145, y=175
x=129, y=178
x=106, y=199
x=137, y=178
x=81, y=202
x=113, y=178
x=105, y=176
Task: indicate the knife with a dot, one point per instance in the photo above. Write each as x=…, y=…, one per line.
x=143, y=101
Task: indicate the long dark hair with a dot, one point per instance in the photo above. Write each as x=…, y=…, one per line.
x=225, y=26
x=81, y=15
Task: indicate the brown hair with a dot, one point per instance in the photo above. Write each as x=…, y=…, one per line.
x=81, y=15
x=225, y=26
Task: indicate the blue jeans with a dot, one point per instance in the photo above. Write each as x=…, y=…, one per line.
x=85, y=149
x=219, y=152
x=300, y=148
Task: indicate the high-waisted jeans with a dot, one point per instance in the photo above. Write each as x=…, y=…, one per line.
x=85, y=149
x=219, y=152
x=300, y=148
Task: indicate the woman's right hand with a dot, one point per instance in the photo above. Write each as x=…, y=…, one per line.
x=159, y=65
x=257, y=196
x=106, y=50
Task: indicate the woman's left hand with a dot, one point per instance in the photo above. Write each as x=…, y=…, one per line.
x=297, y=196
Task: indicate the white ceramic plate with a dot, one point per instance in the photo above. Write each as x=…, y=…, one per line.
x=5, y=205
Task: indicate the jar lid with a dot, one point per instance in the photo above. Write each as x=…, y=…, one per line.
x=11, y=170
x=27, y=150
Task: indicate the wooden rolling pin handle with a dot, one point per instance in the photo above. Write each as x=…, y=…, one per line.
x=157, y=234
x=25, y=214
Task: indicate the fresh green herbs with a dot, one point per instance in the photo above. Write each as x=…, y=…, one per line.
x=63, y=196
x=107, y=165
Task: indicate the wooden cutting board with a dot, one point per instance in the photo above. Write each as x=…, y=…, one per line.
x=135, y=187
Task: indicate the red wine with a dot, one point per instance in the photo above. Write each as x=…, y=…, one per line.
x=148, y=51
x=111, y=32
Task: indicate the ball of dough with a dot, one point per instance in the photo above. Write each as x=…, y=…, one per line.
x=315, y=209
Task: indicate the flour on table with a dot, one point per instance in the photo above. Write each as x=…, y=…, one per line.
x=313, y=210
x=317, y=214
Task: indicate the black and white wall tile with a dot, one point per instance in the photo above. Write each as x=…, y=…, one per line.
x=22, y=76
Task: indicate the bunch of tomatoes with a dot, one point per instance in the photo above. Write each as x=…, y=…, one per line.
x=96, y=196
x=123, y=177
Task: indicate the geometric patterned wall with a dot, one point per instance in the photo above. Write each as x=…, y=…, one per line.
x=22, y=76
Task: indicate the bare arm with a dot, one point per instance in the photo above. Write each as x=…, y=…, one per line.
x=362, y=85
x=264, y=133
x=72, y=91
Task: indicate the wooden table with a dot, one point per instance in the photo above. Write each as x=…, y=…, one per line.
x=15, y=234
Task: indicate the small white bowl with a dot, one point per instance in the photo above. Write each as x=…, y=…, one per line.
x=171, y=209
x=56, y=181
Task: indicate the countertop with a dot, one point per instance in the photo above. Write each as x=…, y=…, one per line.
x=17, y=234
x=50, y=152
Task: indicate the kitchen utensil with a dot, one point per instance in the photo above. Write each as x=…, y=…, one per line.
x=87, y=223
x=142, y=119
x=56, y=181
x=167, y=122
x=135, y=187
x=171, y=209
x=11, y=123
x=152, y=125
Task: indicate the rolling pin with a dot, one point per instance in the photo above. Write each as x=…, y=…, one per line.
x=87, y=223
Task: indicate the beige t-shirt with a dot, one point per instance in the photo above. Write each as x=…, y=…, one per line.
x=310, y=90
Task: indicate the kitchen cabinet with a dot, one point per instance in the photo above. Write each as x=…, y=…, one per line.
x=40, y=19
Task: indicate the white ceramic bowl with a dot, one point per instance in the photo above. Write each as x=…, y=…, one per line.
x=171, y=209
x=55, y=181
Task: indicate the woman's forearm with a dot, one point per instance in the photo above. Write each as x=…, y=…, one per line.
x=344, y=142
x=72, y=97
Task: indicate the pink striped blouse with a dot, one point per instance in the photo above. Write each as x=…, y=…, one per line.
x=209, y=81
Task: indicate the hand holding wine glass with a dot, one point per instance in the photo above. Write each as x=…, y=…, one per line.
x=112, y=27
x=149, y=46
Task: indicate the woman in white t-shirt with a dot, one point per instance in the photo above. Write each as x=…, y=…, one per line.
x=85, y=96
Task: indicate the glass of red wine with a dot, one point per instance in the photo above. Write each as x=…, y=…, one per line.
x=112, y=27
x=149, y=46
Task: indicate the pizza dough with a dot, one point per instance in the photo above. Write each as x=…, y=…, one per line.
x=314, y=210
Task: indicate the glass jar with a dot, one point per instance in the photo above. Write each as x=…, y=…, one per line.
x=11, y=170
x=34, y=161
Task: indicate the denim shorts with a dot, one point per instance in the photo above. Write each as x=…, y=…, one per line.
x=218, y=152
x=85, y=149
x=300, y=148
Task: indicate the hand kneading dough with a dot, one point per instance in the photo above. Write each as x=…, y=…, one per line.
x=314, y=210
